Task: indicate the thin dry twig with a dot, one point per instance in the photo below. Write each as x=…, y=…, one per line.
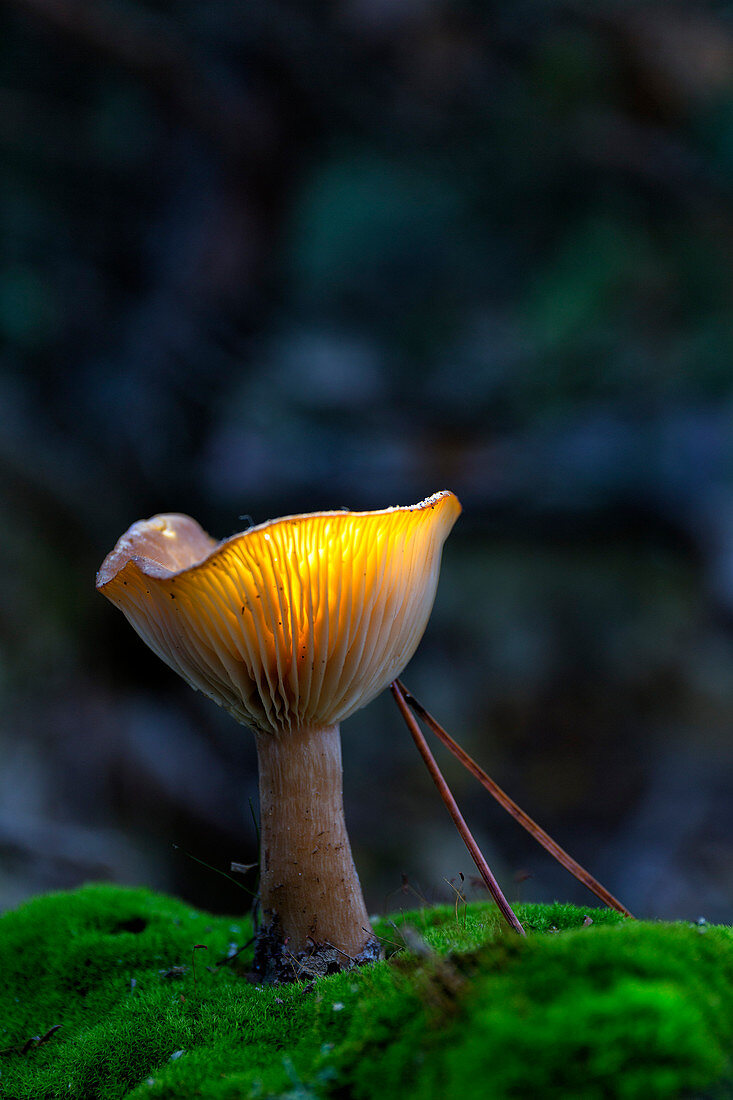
x=32, y=1043
x=452, y=807
x=512, y=808
x=233, y=954
x=196, y=947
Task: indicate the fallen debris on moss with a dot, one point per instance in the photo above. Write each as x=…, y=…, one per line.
x=105, y=994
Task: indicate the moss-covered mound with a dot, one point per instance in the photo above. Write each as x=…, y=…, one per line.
x=610, y=1008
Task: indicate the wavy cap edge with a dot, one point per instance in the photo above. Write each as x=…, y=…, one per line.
x=127, y=548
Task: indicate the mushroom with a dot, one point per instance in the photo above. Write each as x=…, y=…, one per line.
x=291, y=626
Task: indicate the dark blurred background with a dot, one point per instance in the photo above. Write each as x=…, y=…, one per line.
x=263, y=257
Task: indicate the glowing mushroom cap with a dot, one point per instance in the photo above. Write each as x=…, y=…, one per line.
x=296, y=622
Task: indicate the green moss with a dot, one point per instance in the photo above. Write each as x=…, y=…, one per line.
x=609, y=1009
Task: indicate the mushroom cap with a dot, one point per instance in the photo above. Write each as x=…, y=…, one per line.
x=299, y=621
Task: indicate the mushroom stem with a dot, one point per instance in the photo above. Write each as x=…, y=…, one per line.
x=314, y=919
